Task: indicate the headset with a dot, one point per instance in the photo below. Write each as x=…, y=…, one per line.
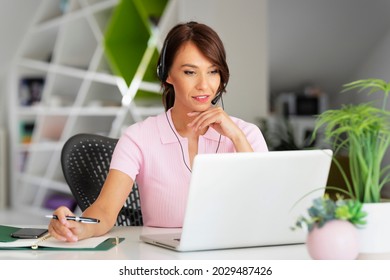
x=162, y=73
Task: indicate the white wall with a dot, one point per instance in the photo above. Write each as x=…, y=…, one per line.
x=375, y=65
x=321, y=43
x=242, y=26
x=15, y=16
x=3, y=100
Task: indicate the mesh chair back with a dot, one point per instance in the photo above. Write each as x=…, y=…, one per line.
x=85, y=161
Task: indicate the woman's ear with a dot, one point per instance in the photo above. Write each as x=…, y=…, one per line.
x=168, y=79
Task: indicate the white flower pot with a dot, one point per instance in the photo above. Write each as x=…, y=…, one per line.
x=374, y=237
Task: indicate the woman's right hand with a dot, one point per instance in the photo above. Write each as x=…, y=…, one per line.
x=65, y=230
x=106, y=208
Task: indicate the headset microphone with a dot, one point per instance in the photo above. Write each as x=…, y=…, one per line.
x=216, y=98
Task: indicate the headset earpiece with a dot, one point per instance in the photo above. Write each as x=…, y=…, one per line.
x=161, y=71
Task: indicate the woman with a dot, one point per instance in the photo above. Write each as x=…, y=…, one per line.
x=158, y=152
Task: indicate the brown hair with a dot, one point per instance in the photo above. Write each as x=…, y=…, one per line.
x=209, y=44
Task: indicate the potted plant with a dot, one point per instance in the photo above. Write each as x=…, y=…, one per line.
x=332, y=228
x=362, y=132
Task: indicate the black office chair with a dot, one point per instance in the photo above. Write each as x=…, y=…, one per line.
x=85, y=161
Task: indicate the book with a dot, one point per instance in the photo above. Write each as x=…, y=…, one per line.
x=47, y=242
x=30, y=92
x=26, y=131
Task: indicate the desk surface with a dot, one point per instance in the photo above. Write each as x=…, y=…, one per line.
x=133, y=248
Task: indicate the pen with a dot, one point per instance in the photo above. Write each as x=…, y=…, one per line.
x=85, y=220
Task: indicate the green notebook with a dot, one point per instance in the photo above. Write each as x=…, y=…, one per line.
x=101, y=243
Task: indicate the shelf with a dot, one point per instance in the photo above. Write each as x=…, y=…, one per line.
x=72, y=53
x=80, y=91
x=41, y=45
x=42, y=146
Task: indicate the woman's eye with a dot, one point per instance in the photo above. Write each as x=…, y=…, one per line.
x=189, y=72
x=214, y=72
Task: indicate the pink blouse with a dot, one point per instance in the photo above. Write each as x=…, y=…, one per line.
x=149, y=152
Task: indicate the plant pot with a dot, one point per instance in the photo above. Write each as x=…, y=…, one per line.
x=374, y=237
x=336, y=240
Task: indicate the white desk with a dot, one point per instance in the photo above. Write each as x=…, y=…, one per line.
x=133, y=248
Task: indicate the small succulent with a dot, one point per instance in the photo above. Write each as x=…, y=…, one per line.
x=325, y=209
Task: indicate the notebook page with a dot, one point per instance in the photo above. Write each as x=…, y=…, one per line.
x=85, y=243
x=19, y=243
x=48, y=241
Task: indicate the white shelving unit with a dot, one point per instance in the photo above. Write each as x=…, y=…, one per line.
x=62, y=59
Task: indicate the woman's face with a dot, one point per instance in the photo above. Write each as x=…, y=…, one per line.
x=194, y=78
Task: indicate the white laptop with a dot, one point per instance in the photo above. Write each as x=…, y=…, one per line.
x=248, y=199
